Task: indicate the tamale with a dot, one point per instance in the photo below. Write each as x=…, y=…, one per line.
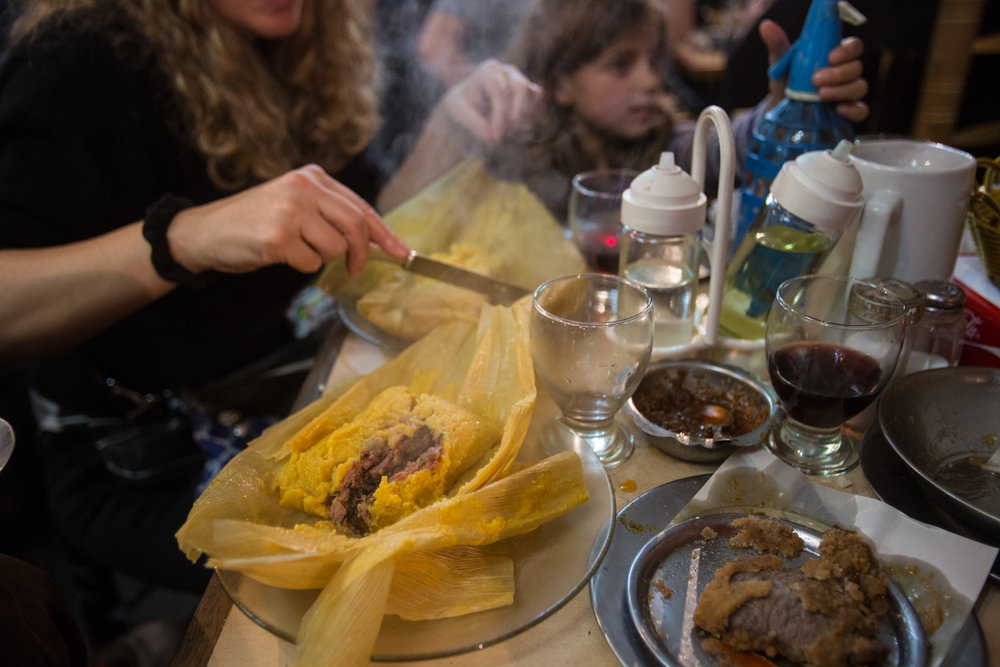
x=410, y=306
x=508, y=507
x=482, y=369
x=470, y=219
x=401, y=453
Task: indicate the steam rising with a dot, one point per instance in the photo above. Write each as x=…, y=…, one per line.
x=406, y=87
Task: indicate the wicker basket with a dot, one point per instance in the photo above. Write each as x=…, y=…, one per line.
x=984, y=217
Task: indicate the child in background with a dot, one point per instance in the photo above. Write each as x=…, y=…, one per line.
x=584, y=90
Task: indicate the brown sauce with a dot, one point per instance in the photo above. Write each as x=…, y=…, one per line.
x=675, y=399
x=737, y=658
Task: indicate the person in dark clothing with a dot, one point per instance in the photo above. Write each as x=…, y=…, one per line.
x=36, y=626
x=899, y=38
x=407, y=90
x=165, y=191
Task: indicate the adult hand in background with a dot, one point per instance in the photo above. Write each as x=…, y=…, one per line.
x=841, y=82
x=495, y=101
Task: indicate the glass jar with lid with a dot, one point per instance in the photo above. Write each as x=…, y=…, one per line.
x=868, y=305
x=938, y=336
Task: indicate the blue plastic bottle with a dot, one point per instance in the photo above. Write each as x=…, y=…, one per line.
x=800, y=123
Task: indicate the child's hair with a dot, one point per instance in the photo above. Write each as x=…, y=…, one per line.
x=252, y=112
x=560, y=36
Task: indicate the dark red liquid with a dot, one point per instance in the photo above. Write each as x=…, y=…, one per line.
x=823, y=385
x=601, y=252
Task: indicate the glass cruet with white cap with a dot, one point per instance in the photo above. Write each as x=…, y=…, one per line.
x=812, y=201
x=662, y=252
x=663, y=215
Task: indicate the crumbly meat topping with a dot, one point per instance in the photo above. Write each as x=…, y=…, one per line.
x=765, y=535
x=825, y=613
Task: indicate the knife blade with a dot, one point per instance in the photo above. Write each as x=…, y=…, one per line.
x=499, y=291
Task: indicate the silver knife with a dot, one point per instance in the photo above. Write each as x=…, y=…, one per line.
x=499, y=291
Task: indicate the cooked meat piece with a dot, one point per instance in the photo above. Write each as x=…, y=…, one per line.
x=721, y=598
x=765, y=535
x=420, y=451
x=824, y=613
x=858, y=565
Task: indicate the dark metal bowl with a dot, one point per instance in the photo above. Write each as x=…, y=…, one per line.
x=758, y=407
x=944, y=424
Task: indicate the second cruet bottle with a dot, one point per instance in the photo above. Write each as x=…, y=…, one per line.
x=813, y=199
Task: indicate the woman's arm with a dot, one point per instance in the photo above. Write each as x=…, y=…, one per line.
x=53, y=298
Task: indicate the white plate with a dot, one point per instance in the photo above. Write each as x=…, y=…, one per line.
x=368, y=330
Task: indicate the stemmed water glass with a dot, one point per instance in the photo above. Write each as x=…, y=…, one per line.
x=591, y=339
x=832, y=344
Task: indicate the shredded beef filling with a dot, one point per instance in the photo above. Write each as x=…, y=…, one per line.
x=350, y=507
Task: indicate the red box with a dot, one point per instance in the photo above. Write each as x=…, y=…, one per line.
x=982, y=313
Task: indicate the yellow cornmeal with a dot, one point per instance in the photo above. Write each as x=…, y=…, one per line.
x=311, y=478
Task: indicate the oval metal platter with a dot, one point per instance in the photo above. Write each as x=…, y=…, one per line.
x=636, y=525
x=670, y=572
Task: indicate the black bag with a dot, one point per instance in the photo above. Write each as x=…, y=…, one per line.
x=148, y=450
x=157, y=442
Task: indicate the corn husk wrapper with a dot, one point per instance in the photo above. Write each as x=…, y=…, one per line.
x=470, y=219
x=430, y=564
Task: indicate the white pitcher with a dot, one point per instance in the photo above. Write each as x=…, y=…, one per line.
x=916, y=198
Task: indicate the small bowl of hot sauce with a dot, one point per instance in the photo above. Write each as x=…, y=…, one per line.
x=702, y=411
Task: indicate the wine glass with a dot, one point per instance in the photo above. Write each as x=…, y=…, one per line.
x=595, y=207
x=832, y=343
x=591, y=339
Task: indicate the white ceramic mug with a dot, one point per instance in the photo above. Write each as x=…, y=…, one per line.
x=916, y=198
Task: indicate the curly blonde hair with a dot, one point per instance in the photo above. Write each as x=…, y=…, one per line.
x=254, y=110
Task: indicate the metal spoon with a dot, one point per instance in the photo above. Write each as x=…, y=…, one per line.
x=6, y=442
x=716, y=415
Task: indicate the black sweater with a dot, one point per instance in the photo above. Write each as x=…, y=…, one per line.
x=86, y=145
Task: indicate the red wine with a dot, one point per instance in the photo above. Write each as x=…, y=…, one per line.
x=821, y=384
x=600, y=250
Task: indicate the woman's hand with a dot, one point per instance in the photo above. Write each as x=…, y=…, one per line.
x=304, y=219
x=841, y=82
x=493, y=102
x=57, y=297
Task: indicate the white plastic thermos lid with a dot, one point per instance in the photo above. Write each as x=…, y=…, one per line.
x=664, y=200
x=821, y=187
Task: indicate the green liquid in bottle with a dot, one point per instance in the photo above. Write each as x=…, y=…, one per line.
x=762, y=262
